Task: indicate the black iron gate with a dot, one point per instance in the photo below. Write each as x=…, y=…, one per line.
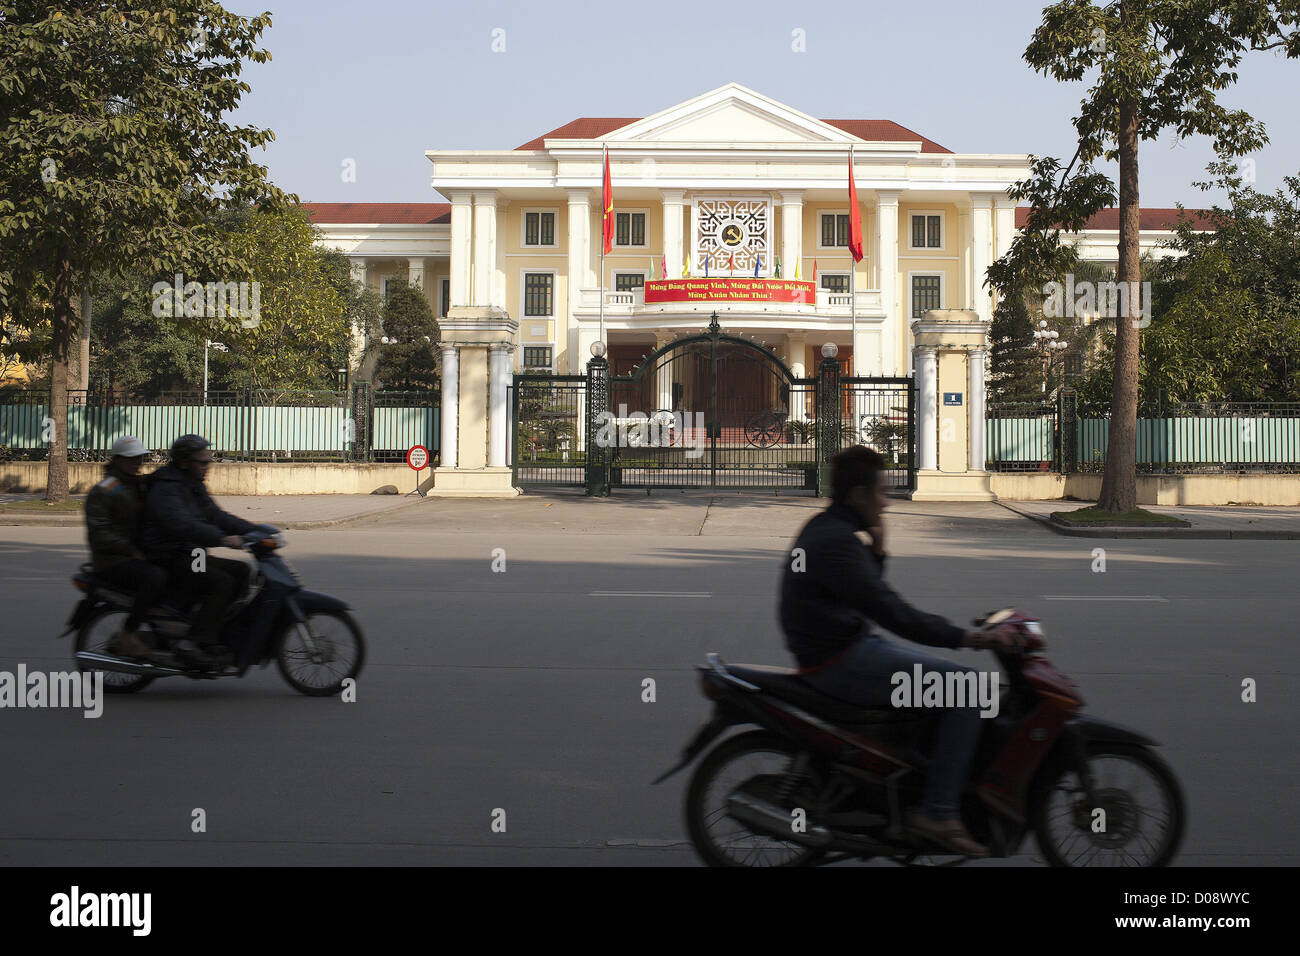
x=711, y=411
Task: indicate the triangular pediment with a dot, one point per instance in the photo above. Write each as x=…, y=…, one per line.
x=731, y=114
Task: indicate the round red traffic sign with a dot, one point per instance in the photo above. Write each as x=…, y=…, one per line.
x=417, y=457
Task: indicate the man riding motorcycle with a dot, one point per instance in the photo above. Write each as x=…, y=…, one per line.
x=180, y=518
x=113, y=510
x=829, y=601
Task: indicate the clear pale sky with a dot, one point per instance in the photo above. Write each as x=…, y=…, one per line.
x=382, y=81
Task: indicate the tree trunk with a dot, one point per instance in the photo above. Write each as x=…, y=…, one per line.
x=61, y=333
x=1119, y=483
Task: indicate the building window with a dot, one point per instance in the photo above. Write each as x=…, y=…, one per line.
x=927, y=231
x=629, y=228
x=537, y=293
x=1073, y=364
x=628, y=281
x=446, y=298
x=539, y=228
x=925, y=294
x=834, y=282
x=537, y=356
x=835, y=230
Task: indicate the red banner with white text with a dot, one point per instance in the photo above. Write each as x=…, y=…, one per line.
x=750, y=289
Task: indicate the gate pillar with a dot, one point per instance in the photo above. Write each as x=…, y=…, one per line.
x=473, y=441
x=948, y=357
x=597, y=450
x=828, y=416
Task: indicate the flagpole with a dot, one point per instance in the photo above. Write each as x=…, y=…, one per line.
x=603, y=213
x=853, y=290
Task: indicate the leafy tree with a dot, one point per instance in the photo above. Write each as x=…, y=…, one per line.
x=133, y=352
x=1155, y=66
x=363, y=305
x=300, y=337
x=1226, y=318
x=408, y=360
x=116, y=155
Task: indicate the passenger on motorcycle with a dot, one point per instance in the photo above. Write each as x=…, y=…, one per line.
x=180, y=517
x=113, y=511
x=828, y=605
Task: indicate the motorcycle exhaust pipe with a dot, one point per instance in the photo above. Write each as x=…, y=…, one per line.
x=103, y=662
x=771, y=820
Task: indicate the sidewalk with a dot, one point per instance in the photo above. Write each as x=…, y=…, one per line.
x=289, y=512
x=1228, y=522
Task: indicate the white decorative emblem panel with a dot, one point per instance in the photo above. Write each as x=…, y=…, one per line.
x=731, y=233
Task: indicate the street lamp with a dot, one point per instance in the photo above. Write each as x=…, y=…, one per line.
x=220, y=348
x=1049, y=342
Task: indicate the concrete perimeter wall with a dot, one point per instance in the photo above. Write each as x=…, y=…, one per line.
x=246, y=478
x=243, y=478
x=1271, y=490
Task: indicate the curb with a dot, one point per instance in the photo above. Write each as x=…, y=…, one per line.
x=12, y=519
x=1196, y=534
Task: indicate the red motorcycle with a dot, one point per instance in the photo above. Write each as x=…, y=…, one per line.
x=824, y=780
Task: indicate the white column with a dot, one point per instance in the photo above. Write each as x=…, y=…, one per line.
x=1004, y=226
x=448, y=432
x=674, y=231
x=579, y=228
x=663, y=375
x=795, y=343
x=894, y=328
x=927, y=381
x=967, y=287
x=485, y=246
x=499, y=378
x=499, y=260
x=357, y=339
x=462, y=232
x=981, y=250
x=791, y=232
x=415, y=271
x=975, y=400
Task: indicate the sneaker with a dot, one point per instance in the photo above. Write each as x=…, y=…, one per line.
x=951, y=835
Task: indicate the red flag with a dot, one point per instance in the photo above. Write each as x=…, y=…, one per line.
x=731, y=262
x=814, y=269
x=607, y=204
x=663, y=267
x=855, y=216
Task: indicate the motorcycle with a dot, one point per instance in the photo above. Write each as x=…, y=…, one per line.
x=824, y=781
x=311, y=636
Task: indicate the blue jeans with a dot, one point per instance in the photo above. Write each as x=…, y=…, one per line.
x=862, y=675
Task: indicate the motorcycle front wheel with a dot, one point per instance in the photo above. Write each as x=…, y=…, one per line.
x=340, y=650
x=756, y=762
x=1135, y=816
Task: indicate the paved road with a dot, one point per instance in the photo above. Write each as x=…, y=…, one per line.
x=522, y=690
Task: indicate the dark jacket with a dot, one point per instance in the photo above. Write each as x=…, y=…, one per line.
x=841, y=591
x=180, y=516
x=113, y=510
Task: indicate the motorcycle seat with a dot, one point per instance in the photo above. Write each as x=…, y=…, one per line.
x=785, y=683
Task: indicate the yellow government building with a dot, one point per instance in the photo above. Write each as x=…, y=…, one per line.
x=729, y=184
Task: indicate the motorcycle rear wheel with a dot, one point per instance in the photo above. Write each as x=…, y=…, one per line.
x=338, y=636
x=94, y=637
x=704, y=819
x=1065, y=823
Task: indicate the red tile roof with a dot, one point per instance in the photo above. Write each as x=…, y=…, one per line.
x=389, y=213
x=1150, y=219
x=593, y=127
